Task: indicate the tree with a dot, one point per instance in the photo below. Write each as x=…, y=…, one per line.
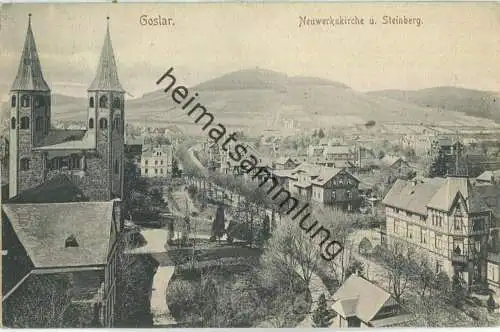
x=354, y=267
x=290, y=249
x=397, y=258
x=218, y=226
x=322, y=316
x=321, y=134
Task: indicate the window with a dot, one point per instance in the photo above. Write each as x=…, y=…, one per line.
x=25, y=164
x=103, y=102
x=38, y=123
x=13, y=101
x=71, y=241
x=146, y=171
x=117, y=167
x=457, y=224
x=103, y=123
x=334, y=195
x=478, y=225
x=91, y=102
x=438, y=267
x=25, y=101
x=13, y=123
x=91, y=123
x=146, y=162
x=116, y=102
x=116, y=124
x=161, y=162
x=349, y=195
x=156, y=162
x=161, y=170
x=25, y=122
x=156, y=171
x=39, y=101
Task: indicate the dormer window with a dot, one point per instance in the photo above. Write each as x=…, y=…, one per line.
x=71, y=242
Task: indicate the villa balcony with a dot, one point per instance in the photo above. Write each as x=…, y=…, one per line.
x=459, y=259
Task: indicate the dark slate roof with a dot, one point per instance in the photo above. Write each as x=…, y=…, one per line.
x=106, y=78
x=29, y=74
x=57, y=136
x=491, y=196
x=44, y=228
x=59, y=189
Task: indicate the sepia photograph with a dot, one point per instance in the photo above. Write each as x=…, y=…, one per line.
x=250, y=165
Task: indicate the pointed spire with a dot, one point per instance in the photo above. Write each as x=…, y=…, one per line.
x=29, y=75
x=106, y=78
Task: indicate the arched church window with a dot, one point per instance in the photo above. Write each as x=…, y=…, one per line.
x=103, y=102
x=25, y=164
x=91, y=123
x=25, y=101
x=116, y=102
x=91, y=102
x=13, y=122
x=13, y=101
x=25, y=122
x=117, y=167
x=103, y=123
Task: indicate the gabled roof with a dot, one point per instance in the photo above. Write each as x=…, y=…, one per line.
x=444, y=198
x=284, y=160
x=326, y=175
x=489, y=175
x=106, y=78
x=59, y=189
x=359, y=297
x=389, y=160
x=29, y=74
x=43, y=229
x=412, y=195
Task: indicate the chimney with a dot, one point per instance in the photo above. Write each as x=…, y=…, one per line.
x=117, y=213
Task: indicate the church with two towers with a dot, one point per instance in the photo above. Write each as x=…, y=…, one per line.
x=92, y=158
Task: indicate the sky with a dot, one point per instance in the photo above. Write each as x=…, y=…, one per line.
x=457, y=44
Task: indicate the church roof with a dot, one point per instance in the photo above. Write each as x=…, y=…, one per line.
x=29, y=75
x=106, y=78
x=43, y=230
x=59, y=189
x=62, y=139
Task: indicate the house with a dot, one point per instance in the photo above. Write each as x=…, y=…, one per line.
x=156, y=161
x=285, y=163
x=339, y=152
x=395, y=167
x=133, y=145
x=359, y=303
x=71, y=245
x=336, y=186
x=331, y=186
x=448, y=219
x=490, y=177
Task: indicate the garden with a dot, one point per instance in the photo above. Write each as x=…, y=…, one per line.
x=236, y=292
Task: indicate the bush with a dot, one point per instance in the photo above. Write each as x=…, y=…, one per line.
x=365, y=247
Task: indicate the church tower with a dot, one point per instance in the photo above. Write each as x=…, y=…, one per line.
x=29, y=119
x=105, y=121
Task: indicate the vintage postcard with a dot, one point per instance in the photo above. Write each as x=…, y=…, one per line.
x=250, y=165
